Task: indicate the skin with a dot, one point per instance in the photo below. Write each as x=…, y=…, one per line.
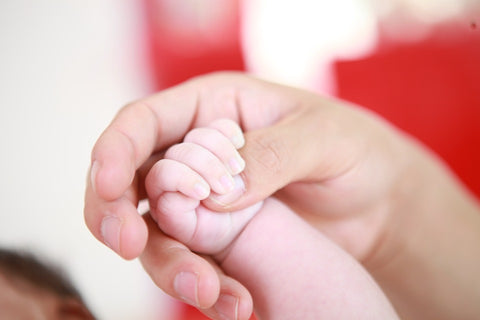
x=204, y=159
x=257, y=245
x=374, y=191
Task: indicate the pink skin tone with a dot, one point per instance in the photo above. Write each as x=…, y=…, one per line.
x=205, y=165
x=289, y=268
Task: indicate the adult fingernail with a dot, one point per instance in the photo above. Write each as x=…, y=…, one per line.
x=186, y=286
x=93, y=175
x=110, y=230
x=227, y=307
x=226, y=199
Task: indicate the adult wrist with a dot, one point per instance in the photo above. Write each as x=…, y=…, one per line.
x=426, y=261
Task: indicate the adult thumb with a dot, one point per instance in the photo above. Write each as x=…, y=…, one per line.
x=275, y=156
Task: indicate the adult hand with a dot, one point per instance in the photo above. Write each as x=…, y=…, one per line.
x=344, y=170
x=315, y=153
x=335, y=160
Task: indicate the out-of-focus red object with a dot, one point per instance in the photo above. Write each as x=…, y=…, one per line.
x=189, y=38
x=430, y=89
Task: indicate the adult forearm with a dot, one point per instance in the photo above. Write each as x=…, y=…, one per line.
x=429, y=261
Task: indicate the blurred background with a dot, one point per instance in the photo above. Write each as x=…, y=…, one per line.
x=66, y=67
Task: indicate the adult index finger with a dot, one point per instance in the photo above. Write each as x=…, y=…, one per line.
x=138, y=131
x=135, y=133
x=128, y=142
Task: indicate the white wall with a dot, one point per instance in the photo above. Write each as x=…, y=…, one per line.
x=66, y=67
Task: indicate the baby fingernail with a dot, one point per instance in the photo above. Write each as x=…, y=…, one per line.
x=227, y=307
x=238, y=140
x=227, y=183
x=202, y=190
x=185, y=285
x=236, y=164
x=110, y=229
x=228, y=198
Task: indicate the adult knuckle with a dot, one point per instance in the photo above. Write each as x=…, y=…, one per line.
x=269, y=153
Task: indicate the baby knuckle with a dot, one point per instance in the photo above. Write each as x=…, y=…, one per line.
x=179, y=151
x=195, y=135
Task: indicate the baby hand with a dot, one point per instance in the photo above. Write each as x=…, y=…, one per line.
x=206, y=165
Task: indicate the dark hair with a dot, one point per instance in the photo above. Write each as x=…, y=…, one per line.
x=26, y=266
